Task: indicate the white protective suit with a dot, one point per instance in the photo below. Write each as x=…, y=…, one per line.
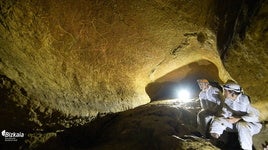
x=211, y=104
x=246, y=127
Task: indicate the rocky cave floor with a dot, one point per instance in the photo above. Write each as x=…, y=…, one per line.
x=158, y=125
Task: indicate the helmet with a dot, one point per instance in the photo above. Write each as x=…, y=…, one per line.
x=233, y=87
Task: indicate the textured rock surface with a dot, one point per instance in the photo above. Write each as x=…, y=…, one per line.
x=62, y=63
x=159, y=125
x=89, y=57
x=247, y=61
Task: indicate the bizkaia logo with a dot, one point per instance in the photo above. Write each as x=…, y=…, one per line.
x=12, y=136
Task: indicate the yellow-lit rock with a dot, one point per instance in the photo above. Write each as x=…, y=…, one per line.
x=88, y=57
x=65, y=62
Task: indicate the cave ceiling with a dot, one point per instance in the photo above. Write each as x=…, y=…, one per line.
x=84, y=58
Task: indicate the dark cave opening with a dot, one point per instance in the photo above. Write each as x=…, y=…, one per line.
x=183, y=78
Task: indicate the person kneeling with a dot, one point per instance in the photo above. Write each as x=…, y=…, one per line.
x=237, y=116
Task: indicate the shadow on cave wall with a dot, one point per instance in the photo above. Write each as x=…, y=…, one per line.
x=234, y=19
x=167, y=86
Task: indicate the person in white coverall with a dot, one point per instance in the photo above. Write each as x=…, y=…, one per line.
x=210, y=100
x=237, y=116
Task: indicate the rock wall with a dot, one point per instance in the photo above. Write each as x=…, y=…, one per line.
x=63, y=63
x=84, y=58
x=247, y=60
x=87, y=57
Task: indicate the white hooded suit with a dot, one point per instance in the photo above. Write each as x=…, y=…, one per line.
x=246, y=127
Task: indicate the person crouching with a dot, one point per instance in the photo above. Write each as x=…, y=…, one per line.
x=237, y=116
x=210, y=101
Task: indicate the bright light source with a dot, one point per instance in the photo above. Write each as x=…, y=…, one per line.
x=184, y=95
